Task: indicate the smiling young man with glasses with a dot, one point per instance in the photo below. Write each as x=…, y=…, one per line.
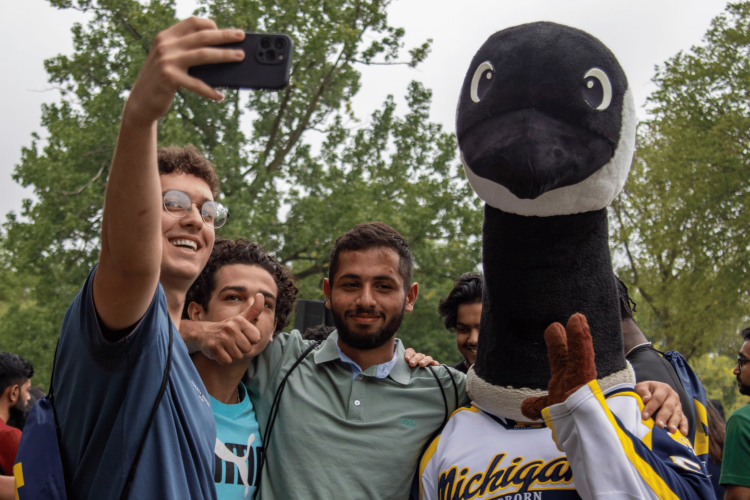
x=120, y=335
x=735, y=464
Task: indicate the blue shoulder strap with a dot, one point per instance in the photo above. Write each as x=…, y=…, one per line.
x=697, y=394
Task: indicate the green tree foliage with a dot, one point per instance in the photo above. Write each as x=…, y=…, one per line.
x=308, y=170
x=682, y=224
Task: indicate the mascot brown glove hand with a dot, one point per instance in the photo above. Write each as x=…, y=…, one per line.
x=571, y=359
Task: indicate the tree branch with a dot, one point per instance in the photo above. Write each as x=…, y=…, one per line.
x=98, y=173
x=381, y=63
x=314, y=269
x=633, y=269
x=277, y=124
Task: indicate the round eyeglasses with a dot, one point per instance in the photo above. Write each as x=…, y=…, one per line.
x=741, y=361
x=178, y=204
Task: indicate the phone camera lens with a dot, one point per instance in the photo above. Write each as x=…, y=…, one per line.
x=278, y=43
x=270, y=55
x=265, y=43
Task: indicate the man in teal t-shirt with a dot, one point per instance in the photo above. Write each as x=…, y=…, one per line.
x=735, y=464
x=243, y=286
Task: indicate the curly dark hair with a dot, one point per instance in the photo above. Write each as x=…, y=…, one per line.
x=373, y=235
x=467, y=290
x=187, y=160
x=627, y=305
x=242, y=251
x=746, y=334
x=13, y=370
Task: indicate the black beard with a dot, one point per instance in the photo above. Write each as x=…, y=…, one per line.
x=17, y=417
x=366, y=341
x=744, y=389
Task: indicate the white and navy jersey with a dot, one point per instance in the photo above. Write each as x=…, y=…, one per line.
x=605, y=451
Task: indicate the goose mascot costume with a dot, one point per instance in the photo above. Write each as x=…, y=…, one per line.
x=546, y=128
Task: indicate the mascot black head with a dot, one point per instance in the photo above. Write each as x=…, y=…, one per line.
x=546, y=128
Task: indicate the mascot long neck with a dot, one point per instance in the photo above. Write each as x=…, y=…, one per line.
x=539, y=270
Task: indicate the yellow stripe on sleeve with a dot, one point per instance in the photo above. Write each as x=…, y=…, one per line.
x=645, y=470
x=701, y=439
x=18, y=475
x=648, y=438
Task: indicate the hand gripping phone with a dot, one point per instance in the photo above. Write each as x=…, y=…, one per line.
x=267, y=63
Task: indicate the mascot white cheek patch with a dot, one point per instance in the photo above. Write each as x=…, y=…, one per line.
x=546, y=128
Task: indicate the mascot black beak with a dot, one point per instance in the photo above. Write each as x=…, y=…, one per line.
x=531, y=153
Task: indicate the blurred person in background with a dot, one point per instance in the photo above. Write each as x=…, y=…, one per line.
x=18, y=419
x=461, y=311
x=15, y=381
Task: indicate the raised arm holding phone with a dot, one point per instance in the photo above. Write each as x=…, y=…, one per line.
x=120, y=354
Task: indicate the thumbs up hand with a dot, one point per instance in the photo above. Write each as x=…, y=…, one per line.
x=225, y=341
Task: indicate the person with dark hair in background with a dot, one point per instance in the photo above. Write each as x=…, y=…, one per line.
x=717, y=433
x=244, y=286
x=461, y=311
x=18, y=420
x=15, y=380
x=735, y=463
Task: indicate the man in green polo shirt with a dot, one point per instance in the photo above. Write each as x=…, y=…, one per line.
x=735, y=464
x=354, y=415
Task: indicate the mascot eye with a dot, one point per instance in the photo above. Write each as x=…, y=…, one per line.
x=597, y=90
x=482, y=81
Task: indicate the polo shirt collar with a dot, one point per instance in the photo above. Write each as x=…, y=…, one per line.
x=328, y=351
x=400, y=373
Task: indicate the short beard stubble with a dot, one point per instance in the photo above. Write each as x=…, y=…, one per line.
x=366, y=341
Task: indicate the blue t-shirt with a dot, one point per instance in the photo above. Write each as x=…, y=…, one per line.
x=238, y=448
x=104, y=393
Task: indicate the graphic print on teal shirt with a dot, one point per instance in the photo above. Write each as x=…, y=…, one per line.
x=238, y=448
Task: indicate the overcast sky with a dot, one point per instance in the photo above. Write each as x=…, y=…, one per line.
x=641, y=33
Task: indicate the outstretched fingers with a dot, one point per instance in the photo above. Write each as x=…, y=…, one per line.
x=581, y=366
x=557, y=352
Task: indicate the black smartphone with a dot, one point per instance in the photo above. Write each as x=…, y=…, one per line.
x=267, y=63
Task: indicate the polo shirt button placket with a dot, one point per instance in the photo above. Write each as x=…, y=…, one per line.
x=360, y=377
